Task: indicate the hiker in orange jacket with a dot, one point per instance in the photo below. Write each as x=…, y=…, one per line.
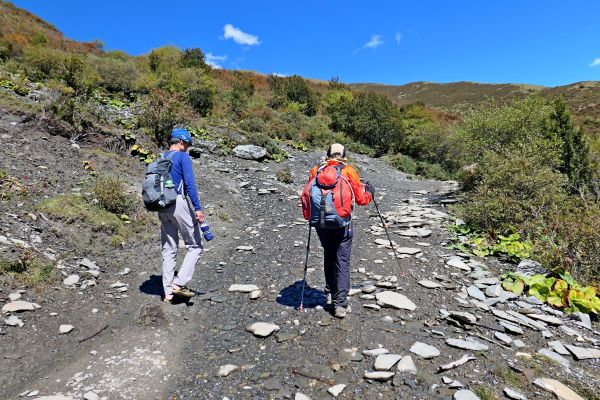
x=327, y=203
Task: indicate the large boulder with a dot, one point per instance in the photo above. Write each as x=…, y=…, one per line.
x=250, y=152
x=202, y=146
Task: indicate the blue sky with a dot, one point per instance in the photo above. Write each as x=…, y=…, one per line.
x=544, y=42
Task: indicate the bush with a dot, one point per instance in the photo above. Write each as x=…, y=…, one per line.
x=163, y=112
x=25, y=267
x=111, y=195
x=117, y=74
x=41, y=63
x=402, y=163
x=193, y=58
x=238, y=98
x=285, y=175
x=285, y=91
x=164, y=58
x=512, y=190
x=568, y=239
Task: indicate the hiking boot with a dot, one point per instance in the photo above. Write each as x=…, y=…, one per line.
x=183, y=291
x=340, y=312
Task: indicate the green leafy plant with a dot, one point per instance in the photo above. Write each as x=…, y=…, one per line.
x=562, y=292
x=474, y=242
x=142, y=153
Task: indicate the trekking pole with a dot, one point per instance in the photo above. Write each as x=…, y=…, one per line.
x=402, y=274
x=305, y=269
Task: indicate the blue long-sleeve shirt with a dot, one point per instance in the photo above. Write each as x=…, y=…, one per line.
x=182, y=170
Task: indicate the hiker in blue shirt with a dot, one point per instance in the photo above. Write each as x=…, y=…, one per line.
x=181, y=218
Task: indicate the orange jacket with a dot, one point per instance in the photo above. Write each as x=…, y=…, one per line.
x=361, y=196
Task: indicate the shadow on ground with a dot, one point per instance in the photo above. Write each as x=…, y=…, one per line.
x=290, y=296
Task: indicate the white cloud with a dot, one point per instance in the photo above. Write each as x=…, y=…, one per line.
x=596, y=62
x=215, y=61
x=240, y=37
x=277, y=74
x=374, y=43
x=398, y=37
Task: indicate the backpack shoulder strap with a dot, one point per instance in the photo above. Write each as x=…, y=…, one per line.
x=170, y=152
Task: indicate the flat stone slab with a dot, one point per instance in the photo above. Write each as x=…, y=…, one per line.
x=457, y=262
x=503, y=337
x=225, y=370
x=17, y=306
x=513, y=394
x=408, y=250
x=380, y=376
x=424, y=350
x=555, y=357
x=549, y=319
x=375, y=352
x=429, y=284
x=336, y=390
x=466, y=344
x=71, y=280
x=464, y=394
x=416, y=232
x=385, y=362
x=262, y=329
x=558, y=347
x=243, y=288
x=464, y=359
x=583, y=353
x=476, y=293
x=395, y=300
x=561, y=391
x=244, y=248
x=464, y=317
x=406, y=364
x=65, y=329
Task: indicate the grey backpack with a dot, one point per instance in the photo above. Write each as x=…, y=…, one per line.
x=158, y=189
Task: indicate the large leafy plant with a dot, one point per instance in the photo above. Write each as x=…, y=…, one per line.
x=562, y=291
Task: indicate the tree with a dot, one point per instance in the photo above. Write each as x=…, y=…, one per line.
x=241, y=92
x=193, y=58
x=575, y=155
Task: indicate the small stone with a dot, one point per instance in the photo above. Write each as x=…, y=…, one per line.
x=14, y=296
x=375, y=307
x=336, y=390
x=406, y=364
x=262, y=329
x=225, y=370
x=513, y=394
x=300, y=396
x=476, y=293
x=118, y=284
x=561, y=391
x=245, y=248
x=63, y=329
x=385, y=362
x=464, y=394
x=583, y=319
x=464, y=359
x=457, y=262
x=243, y=288
x=582, y=353
x=380, y=376
x=71, y=280
x=503, y=337
x=17, y=306
x=494, y=291
x=559, y=348
x=424, y=350
x=429, y=284
x=466, y=344
x=464, y=317
x=255, y=294
x=375, y=352
x=518, y=343
x=555, y=357
x=408, y=250
x=368, y=289
x=13, y=320
x=395, y=300
x=91, y=396
x=549, y=319
x=511, y=328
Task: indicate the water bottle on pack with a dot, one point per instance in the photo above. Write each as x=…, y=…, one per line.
x=208, y=235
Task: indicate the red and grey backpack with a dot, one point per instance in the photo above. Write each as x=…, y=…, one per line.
x=328, y=199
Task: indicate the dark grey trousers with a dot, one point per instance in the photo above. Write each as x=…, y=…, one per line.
x=337, y=244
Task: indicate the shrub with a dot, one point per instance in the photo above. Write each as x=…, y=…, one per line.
x=568, y=239
x=117, y=74
x=163, y=112
x=111, y=195
x=285, y=175
x=512, y=189
x=238, y=98
x=193, y=58
x=41, y=63
x=164, y=58
x=25, y=267
x=402, y=163
x=293, y=90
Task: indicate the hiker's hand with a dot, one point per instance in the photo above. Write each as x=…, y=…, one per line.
x=370, y=188
x=200, y=216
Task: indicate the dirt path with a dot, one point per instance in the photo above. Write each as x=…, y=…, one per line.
x=176, y=351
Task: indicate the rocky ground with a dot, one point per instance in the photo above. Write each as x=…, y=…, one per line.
x=433, y=324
